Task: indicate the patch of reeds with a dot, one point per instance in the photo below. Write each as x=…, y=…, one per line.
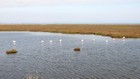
x=12, y=51
x=76, y=49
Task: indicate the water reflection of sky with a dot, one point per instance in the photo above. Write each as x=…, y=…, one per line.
x=97, y=59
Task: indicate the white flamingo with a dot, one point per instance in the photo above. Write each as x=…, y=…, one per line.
x=123, y=37
x=106, y=41
x=14, y=42
x=113, y=39
x=82, y=40
x=60, y=40
x=51, y=41
x=93, y=39
x=42, y=41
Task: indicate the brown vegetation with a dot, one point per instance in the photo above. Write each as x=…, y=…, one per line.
x=76, y=49
x=12, y=51
x=115, y=31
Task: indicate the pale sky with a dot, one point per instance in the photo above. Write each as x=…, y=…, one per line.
x=70, y=11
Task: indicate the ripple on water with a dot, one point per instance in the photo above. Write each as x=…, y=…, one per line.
x=115, y=60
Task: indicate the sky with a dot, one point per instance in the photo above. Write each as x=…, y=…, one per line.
x=69, y=11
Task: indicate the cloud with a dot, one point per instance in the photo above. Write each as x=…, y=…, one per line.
x=10, y=3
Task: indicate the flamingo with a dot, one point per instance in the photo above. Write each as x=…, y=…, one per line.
x=14, y=42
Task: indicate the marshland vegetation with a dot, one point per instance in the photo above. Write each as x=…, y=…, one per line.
x=115, y=31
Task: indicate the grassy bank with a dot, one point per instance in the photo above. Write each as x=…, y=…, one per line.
x=115, y=31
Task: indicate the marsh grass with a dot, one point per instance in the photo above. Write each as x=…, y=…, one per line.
x=12, y=51
x=76, y=49
x=115, y=31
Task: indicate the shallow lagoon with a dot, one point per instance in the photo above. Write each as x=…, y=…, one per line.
x=115, y=59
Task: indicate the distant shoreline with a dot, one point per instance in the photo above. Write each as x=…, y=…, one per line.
x=112, y=30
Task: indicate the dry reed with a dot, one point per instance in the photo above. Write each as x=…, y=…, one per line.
x=115, y=31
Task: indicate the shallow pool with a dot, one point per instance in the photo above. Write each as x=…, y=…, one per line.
x=100, y=57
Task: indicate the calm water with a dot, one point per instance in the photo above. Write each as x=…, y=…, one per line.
x=117, y=59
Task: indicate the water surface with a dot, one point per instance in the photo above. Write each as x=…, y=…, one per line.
x=98, y=59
